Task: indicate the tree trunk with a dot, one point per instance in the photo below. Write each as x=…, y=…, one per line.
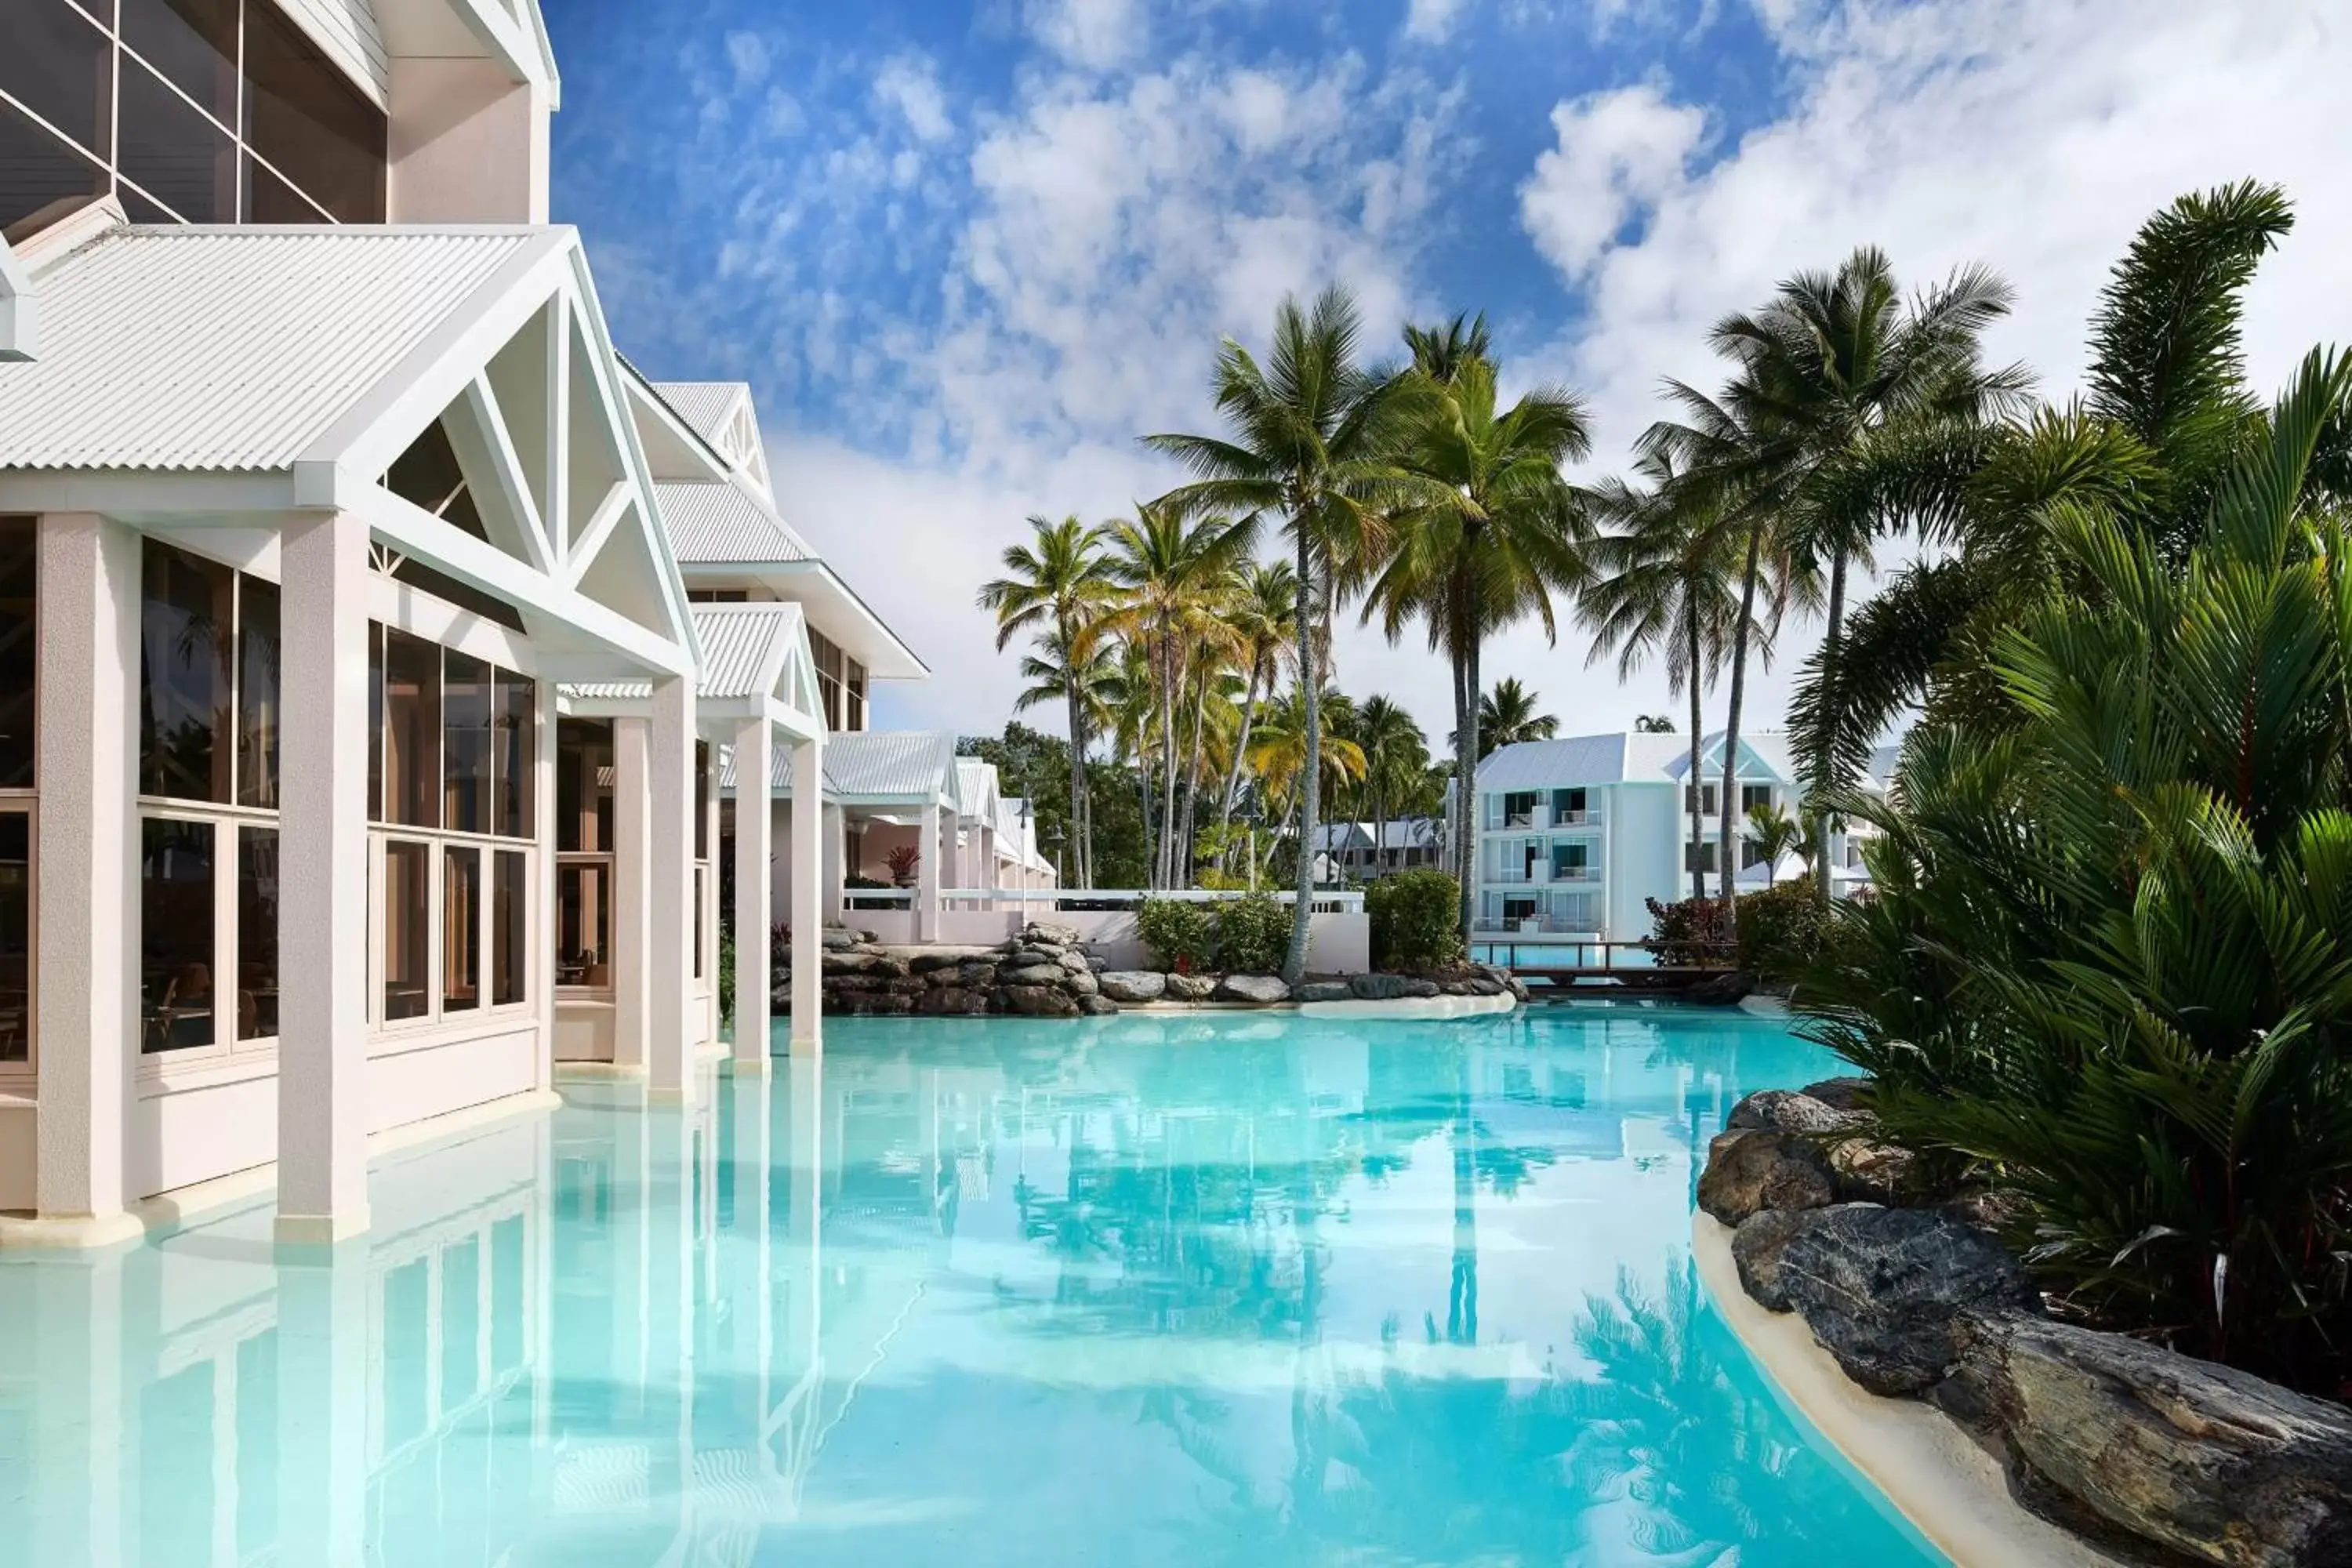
x=1834, y=674
x=1470, y=752
x=1696, y=785
x=1730, y=850
x=1192, y=771
x=1241, y=751
x=1461, y=816
x=1170, y=677
x=1294, y=961
x=1077, y=782
x=1143, y=800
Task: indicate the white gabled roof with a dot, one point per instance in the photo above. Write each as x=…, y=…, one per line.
x=1624, y=758
x=890, y=767
x=711, y=524
x=745, y=648
x=704, y=405
x=232, y=349
x=1541, y=764
x=976, y=791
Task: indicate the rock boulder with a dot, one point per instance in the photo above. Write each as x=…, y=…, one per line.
x=1133, y=984
x=1323, y=991
x=1039, y=1002
x=1034, y=974
x=1191, y=987
x=1749, y=1171
x=1782, y=1110
x=1375, y=987
x=1262, y=989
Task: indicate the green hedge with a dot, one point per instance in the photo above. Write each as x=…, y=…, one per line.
x=1781, y=931
x=1253, y=935
x=1178, y=933
x=1416, y=918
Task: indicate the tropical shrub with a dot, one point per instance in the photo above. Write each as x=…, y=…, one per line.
x=1416, y=918
x=1781, y=931
x=2110, y=957
x=1178, y=933
x=1688, y=932
x=1253, y=934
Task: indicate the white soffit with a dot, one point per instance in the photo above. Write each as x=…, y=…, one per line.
x=230, y=349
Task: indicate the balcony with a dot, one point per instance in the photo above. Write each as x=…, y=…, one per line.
x=1575, y=873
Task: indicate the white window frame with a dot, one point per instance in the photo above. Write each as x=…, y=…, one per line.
x=21, y=1075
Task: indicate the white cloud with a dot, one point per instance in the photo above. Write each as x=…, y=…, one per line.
x=1617, y=154
x=910, y=85
x=747, y=53
x=1095, y=34
x=1432, y=21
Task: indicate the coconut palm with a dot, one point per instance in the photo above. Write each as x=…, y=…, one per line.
x=1280, y=753
x=1055, y=585
x=1308, y=444
x=1665, y=584
x=1777, y=835
x=1508, y=715
x=1487, y=537
x=1396, y=754
x=1265, y=615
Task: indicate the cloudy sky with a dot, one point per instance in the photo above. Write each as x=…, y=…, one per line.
x=967, y=250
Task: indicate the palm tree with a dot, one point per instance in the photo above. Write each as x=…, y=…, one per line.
x=1777, y=835
x=1057, y=586
x=1653, y=725
x=1167, y=573
x=1308, y=444
x=1508, y=716
x=1265, y=617
x=1396, y=754
x=1665, y=586
x=1485, y=537
x=1282, y=758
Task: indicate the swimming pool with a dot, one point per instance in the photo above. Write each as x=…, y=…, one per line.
x=1232, y=1288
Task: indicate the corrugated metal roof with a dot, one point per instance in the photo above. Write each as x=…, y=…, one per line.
x=1540, y=765
x=975, y=786
x=703, y=403
x=191, y=349
x=711, y=524
x=890, y=763
x=742, y=647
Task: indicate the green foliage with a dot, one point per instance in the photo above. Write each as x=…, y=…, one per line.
x=1180, y=934
x=1416, y=918
x=2110, y=956
x=1036, y=767
x=727, y=970
x=1781, y=932
x=1253, y=933
x=1688, y=932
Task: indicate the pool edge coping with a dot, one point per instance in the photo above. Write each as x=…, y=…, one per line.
x=1939, y=1479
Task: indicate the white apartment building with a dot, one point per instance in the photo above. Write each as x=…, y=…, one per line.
x=378, y=647
x=1576, y=835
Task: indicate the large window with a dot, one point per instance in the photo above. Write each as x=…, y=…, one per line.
x=16, y=936
x=584, y=843
x=19, y=641
x=841, y=685
x=186, y=111
x=451, y=770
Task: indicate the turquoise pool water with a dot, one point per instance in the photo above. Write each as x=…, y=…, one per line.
x=1231, y=1289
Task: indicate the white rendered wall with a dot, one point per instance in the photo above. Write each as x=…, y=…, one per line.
x=1646, y=859
x=469, y=143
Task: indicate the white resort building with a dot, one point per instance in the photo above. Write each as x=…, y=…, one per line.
x=379, y=650
x=1576, y=835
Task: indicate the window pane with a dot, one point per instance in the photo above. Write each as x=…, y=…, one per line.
x=518, y=755
x=16, y=936
x=411, y=729
x=186, y=618
x=375, y=722
x=461, y=929
x=407, y=957
x=310, y=122
x=192, y=43
x=269, y=199
x=19, y=578
x=257, y=693
x=702, y=800
x=175, y=934
x=510, y=927
x=584, y=784
x=41, y=178
x=695, y=915
x=172, y=153
x=58, y=65
x=583, y=920
x=256, y=933
x=465, y=743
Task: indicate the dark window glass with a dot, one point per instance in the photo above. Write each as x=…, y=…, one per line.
x=41, y=178
x=510, y=927
x=172, y=153
x=516, y=747
x=186, y=616
x=407, y=958
x=1753, y=795
x=583, y=787
x=702, y=800
x=192, y=43
x=58, y=65
x=428, y=476
x=461, y=929
x=175, y=934
x=465, y=743
x=411, y=729
x=309, y=122
x=256, y=933
x=375, y=721
x=269, y=199
x=139, y=209
x=257, y=693
x=583, y=920
x=19, y=587
x=16, y=936
x=695, y=916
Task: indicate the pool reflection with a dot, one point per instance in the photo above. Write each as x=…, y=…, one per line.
x=1155, y=1291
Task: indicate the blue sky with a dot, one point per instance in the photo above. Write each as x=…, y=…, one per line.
x=966, y=250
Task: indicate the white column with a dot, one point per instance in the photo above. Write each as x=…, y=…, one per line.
x=322, y=908
x=539, y=936
x=85, y=897
x=930, y=840
x=816, y=858
x=75, y=1445
x=755, y=827
x=632, y=871
x=836, y=855
x=669, y=969
x=716, y=842
x=988, y=878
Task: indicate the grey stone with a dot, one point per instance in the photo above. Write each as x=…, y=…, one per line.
x=1420, y=989
x=1076, y=962
x=1866, y=1171
x=924, y=959
x=836, y=938
x=1726, y=990
x=1082, y=983
x=1028, y=954
x=952, y=1002
x=1749, y=1171
x=1757, y=1247
x=1262, y=989
x=1034, y=974
x=1996, y=1209
x=1038, y=1001
x=1840, y=1093
x=1481, y=987
x=1191, y=987
x=1456, y=988
x=838, y=961
x=1133, y=984
x=1045, y=932
x=1784, y=1110
x=1881, y=1289
x=1097, y=1007
x=1376, y=987
x=2209, y=1461
x=1324, y=991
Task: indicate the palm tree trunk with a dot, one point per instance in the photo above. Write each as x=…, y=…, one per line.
x=1193, y=772
x=1730, y=802
x=1241, y=750
x=1470, y=760
x=1078, y=781
x=1143, y=800
x=1697, y=719
x=1294, y=961
x=1462, y=817
x=1831, y=674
